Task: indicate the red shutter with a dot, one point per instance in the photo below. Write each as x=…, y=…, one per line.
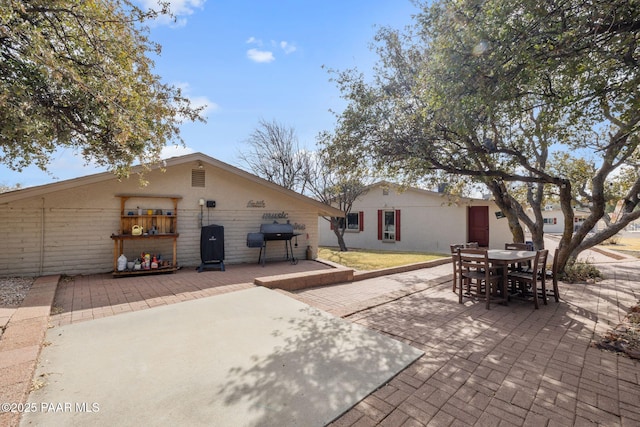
x=397, y=225
x=361, y=220
x=331, y=223
x=379, y=224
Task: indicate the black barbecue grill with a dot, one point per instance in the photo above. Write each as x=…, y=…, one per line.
x=271, y=232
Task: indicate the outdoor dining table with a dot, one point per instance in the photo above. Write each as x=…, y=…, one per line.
x=503, y=258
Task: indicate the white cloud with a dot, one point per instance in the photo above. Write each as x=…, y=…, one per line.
x=257, y=55
x=179, y=8
x=203, y=101
x=265, y=56
x=197, y=101
x=287, y=47
x=175, y=151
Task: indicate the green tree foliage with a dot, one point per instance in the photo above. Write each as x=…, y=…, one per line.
x=533, y=99
x=335, y=185
x=77, y=74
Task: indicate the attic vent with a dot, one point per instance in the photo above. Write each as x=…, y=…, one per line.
x=197, y=178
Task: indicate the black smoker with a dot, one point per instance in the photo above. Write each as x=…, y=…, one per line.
x=270, y=232
x=212, y=247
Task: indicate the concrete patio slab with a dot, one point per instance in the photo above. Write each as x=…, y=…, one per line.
x=511, y=365
x=253, y=357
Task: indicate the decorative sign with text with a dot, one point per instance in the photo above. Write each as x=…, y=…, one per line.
x=275, y=215
x=256, y=204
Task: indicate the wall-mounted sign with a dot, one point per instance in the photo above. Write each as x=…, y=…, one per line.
x=499, y=215
x=283, y=215
x=256, y=204
x=275, y=215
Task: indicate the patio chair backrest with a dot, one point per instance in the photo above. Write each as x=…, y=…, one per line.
x=540, y=263
x=469, y=245
x=454, y=248
x=554, y=265
x=455, y=260
x=554, y=275
x=473, y=259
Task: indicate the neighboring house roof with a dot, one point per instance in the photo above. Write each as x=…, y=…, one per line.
x=24, y=193
x=556, y=208
x=401, y=188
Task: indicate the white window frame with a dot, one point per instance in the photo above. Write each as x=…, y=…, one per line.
x=353, y=227
x=388, y=229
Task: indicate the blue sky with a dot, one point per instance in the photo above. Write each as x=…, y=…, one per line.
x=252, y=60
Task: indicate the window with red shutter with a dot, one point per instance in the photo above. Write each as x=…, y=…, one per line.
x=353, y=221
x=389, y=225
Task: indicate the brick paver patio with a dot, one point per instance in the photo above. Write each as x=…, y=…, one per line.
x=95, y=296
x=508, y=366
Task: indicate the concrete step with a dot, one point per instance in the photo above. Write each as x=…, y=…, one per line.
x=310, y=279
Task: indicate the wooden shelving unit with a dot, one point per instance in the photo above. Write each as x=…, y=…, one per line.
x=165, y=224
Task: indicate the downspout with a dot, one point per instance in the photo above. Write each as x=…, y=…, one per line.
x=41, y=267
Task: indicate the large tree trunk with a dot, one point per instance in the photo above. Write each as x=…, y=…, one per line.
x=339, y=232
x=504, y=202
x=535, y=195
x=567, y=243
x=537, y=237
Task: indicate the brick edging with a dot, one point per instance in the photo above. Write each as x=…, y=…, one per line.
x=21, y=342
x=610, y=253
x=362, y=275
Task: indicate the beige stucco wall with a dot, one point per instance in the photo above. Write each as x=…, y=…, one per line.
x=430, y=222
x=68, y=230
x=550, y=227
x=557, y=214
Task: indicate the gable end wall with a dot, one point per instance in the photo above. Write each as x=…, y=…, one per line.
x=68, y=231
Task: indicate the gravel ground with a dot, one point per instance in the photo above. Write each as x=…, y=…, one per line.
x=13, y=290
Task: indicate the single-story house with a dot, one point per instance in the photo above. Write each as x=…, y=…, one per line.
x=68, y=227
x=388, y=217
x=553, y=219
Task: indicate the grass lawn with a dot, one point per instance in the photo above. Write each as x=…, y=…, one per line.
x=628, y=245
x=366, y=260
